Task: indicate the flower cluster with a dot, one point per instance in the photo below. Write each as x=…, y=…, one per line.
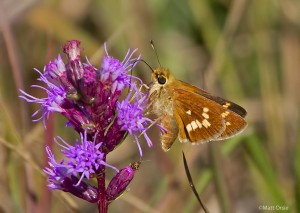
x=90, y=99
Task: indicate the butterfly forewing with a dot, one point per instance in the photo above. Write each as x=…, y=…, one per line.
x=216, y=115
x=221, y=101
x=233, y=115
x=200, y=119
x=227, y=104
x=234, y=125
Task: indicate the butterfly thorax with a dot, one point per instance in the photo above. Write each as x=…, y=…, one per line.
x=161, y=101
x=160, y=94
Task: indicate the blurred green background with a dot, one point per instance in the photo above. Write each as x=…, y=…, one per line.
x=244, y=51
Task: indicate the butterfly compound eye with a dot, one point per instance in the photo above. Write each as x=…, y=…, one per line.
x=161, y=79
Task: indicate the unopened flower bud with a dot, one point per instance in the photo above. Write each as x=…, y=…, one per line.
x=120, y=181
x=83, y=190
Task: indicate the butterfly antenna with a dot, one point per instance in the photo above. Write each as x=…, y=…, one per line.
x=153, y=47
x=188, y=174
x=132, y=66
x=143, y=62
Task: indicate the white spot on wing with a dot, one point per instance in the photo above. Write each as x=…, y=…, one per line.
x=189, y=112
x=199, y=124
x=226, y=105
x=205, y=109
x=205, y=123
x=189, y=127
x=194, y=125
x=224, y=114
x=205, y=115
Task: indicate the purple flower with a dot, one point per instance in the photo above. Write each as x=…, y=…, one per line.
x=55, y=69
x=87, y=96
x=52, y=103
x=60, y=179
x=57, y=172
x=115, y=72
x=90, y=99
x=83, y=159
x=131, y=115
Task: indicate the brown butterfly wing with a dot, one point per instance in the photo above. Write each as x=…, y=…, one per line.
x=234, y=125
x=224, y=123
x=227, y=104
x=233, y=116
x=198, y=118
x=221, y=101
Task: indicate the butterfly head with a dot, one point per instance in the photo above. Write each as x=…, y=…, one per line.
x=161, y=76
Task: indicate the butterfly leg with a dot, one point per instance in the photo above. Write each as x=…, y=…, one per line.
x=153, y=123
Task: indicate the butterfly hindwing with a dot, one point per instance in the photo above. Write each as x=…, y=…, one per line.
x=168, y=138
